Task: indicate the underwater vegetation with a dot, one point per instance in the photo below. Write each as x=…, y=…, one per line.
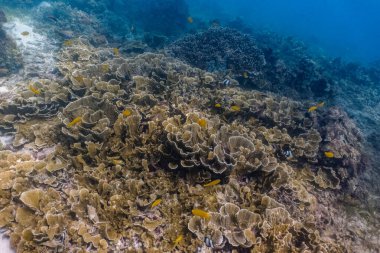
x=221, y=141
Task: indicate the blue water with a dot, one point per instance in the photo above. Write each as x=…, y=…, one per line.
x=344, y=28
x=338, y=28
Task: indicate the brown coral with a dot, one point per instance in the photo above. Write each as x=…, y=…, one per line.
x=148, y=130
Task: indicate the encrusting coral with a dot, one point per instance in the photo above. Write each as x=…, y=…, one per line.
x=137, y=143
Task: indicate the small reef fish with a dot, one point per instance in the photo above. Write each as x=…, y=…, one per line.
x=66, y=33
x=209, y=242
x=156, y=203
x=3, y=71
x=79, y=79
x=117, y=162
x=245, y=74
x=212, y=183
x=201, y=213
x=315, y=107
x=226, y=82
x=68, y=43
x=235, y=108
x=312, y=108
x=133, y=29
x=202, y=123
x=26, y=33
x=116, y=51
x=190, y=20
x=320, y=104
x=74, y=121
x=127, y=112
x=329, y=154
x=218, y=105
x=53, y=18
x=178, y=240
x=34, y=90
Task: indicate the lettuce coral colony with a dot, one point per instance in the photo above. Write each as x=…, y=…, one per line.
x=151, y=146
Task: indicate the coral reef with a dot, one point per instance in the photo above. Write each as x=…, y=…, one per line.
x=63, y=21
x=261, y=60
x=114, y=154
x=117, y=156
x=292, y=70
x=220, y=49
x=10, y=60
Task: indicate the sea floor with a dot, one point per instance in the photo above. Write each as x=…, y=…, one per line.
x=355, y=222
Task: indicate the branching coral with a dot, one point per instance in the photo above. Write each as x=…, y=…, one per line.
x=220, y=49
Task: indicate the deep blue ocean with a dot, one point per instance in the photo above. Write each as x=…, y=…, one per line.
x=348, y=29
x=201, y=126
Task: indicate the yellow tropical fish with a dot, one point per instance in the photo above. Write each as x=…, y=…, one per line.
x=201, y=213
x=329, y=154
x=218, y=105
x=68, y=43
x=313, y=108
x=74, y=121
x=212, y=183
x=34, y=90
x=116, y=51
x=235, y=108
x=127, y=112
x=245, y=74
x=26, y=33
x=117, y=162
x=178, y=240
x=79, y=79
x=320, y=104
x=202, y=123
x=156, y=203
x=105, y=68
x=190, y=20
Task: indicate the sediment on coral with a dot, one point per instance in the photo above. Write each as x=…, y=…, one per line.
x=137, y=142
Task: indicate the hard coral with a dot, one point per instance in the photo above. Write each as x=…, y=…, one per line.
x=220, y=49
x=148, y=130
x=10, y=58
x=96, y=118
